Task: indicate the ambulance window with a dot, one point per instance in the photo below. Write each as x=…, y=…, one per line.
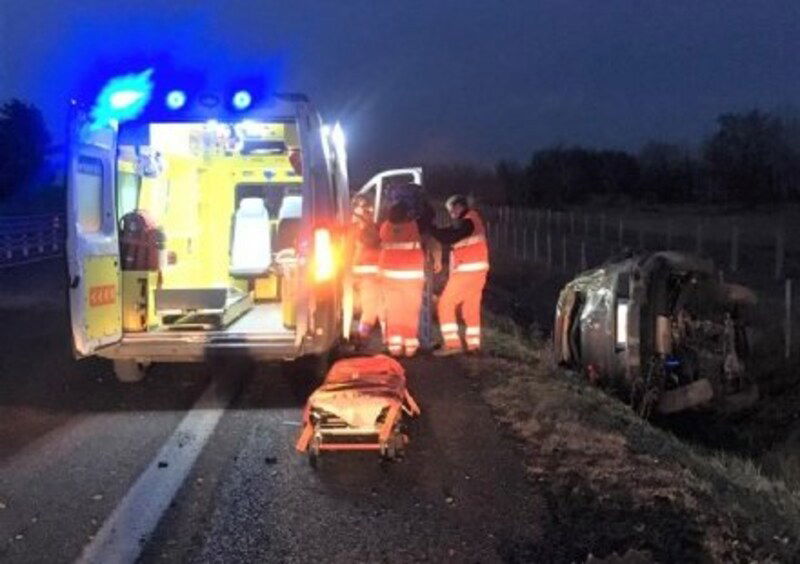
x=89, y=194
x=127, y=192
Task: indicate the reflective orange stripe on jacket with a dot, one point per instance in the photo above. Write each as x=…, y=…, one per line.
x=472, y=253
x=401, y=255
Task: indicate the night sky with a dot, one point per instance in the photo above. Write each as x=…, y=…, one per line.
x=441, y=80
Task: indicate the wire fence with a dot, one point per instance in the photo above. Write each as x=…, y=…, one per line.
x=762, y=253
x=30, y=238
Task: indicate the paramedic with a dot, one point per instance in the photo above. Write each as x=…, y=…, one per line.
x=366, y=276
x=469, y=264
x=402, y=264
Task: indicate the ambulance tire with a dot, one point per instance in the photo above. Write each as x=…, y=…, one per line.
x=130, y=371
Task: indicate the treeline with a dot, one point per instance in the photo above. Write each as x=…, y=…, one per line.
x=23, y=144
x=751, y=158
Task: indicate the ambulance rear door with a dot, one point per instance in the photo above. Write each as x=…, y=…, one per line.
x=93, y=261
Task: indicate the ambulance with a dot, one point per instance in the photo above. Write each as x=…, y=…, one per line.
x=205, y=225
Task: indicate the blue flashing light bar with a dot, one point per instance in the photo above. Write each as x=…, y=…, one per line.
x=176, y=99
x=242, y=100
x=123, y=98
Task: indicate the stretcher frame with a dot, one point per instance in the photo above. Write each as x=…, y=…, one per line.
x=333, y=434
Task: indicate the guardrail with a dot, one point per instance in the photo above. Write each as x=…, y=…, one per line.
x=568, y=242
x=30, y=238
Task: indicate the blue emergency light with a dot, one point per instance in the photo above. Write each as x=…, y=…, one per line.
x=176, y=99
x=241, y=100
x=123, y=98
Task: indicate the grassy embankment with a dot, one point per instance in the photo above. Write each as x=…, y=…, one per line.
x=614, y=482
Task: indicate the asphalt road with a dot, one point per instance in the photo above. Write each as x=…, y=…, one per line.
x=73, y=443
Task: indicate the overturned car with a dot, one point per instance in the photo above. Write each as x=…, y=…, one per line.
x=659, y=330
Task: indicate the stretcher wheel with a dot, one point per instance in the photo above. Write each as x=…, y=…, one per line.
x=388, y=450
x=394, y=447
x=314, y=452
x=399, y=444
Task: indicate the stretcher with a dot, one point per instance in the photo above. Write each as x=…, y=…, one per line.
x=359, y=406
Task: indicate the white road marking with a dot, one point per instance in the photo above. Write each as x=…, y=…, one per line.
x=124, y=534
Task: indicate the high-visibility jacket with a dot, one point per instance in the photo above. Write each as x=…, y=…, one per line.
x=401, y=256
x=366, y=257
x=471, y=254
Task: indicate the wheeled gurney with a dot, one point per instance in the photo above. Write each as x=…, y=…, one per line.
x=359, y=406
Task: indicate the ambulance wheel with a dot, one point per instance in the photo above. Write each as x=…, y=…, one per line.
x=129, y=371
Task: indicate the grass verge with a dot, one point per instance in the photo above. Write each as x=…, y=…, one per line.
x=615, y=483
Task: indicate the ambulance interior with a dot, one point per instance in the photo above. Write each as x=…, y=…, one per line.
x=225, y=203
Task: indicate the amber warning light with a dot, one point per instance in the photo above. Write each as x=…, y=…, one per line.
x=324, y=256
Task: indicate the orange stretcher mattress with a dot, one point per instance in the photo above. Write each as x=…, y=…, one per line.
x=356, y=391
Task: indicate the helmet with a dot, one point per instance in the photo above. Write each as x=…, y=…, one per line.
x=456, y=200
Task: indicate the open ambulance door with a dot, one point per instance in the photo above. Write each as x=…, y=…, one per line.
x=334, y=139
x=93, y=261
x=376, y=188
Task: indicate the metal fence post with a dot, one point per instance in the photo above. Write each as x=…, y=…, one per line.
x=507, y=226
x=669, y=233
x=603, y=226
x=699, y=235
x=525, y=243
x=788, y=319
x=735, y=248
x=779, y=253
x=584, y=265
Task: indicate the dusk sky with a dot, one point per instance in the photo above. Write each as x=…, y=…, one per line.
x=441, y=80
